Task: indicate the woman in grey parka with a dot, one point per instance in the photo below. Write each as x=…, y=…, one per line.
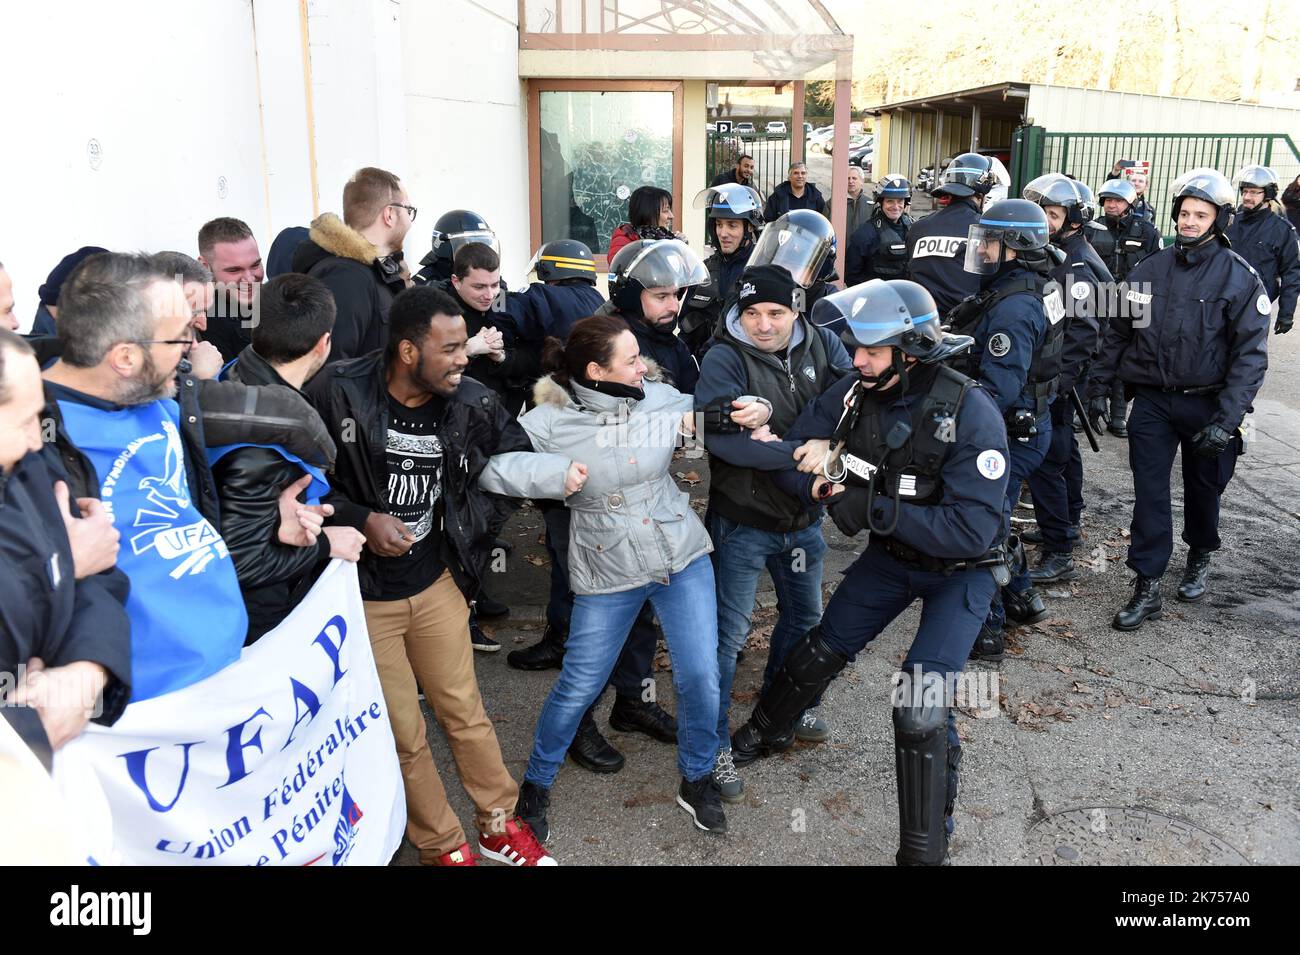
x=633, y=537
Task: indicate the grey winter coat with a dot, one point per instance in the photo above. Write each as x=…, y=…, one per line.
x=630, y=524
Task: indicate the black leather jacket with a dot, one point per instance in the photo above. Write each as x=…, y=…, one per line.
x=351, y=398
x=273, y=577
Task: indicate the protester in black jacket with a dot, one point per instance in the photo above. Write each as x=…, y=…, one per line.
x=414, y=434
x=61, y=600
x=289, y=346
x=360, y=258
x=795, y=193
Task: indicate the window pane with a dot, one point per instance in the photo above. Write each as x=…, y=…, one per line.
x=596, y=148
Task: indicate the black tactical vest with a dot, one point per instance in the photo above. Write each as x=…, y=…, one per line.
x=750, y=496
x=912, y=473
x=889, y=261
x=1120, y=249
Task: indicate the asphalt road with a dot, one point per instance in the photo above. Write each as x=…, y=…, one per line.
x=1177, y=743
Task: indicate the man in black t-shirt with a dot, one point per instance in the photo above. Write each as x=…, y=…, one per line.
x=416, y=499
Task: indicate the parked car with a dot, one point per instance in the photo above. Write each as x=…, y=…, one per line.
x=855, y=142
x=711, y=127
x=819, y=137
x=776, y=128
x=744, y=129
x=807, y=128
x=861, y=157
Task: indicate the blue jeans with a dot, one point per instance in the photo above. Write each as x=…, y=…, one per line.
x=687, y=612
x=740, y=553
x=1023, y=459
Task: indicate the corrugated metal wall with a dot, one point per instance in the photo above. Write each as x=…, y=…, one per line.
x=909, y=151
x=1066, y=109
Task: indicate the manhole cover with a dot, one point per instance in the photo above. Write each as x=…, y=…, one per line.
x=1117, y=835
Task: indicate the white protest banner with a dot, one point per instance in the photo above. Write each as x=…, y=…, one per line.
x=285, y=757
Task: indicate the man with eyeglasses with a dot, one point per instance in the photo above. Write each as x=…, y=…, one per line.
x=130, y=430
x=359, y=258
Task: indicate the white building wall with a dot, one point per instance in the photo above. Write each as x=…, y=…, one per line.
x=169, y=90
x=1073, y=110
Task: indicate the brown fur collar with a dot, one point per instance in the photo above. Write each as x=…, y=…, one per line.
x=548, y=391
x=338, y=238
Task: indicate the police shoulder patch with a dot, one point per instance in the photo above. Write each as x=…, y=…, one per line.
x=991, y=464
x=1079, y=291
x=999, y=345
x=1263, y=305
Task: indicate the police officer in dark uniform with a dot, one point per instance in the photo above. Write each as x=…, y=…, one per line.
x=1018, y=320
x=733, y=218
x=1057, y=483
x=922, y=452
x=565, y=291
x=453, y=231
x=1192, y=348
x=803, y=243
x=1121, y=239
x=878, y=249
x=936, y=245
x=648, y=279
x=1267, y=241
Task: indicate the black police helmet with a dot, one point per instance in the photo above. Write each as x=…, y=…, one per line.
x=564, y=259
x=967, y=175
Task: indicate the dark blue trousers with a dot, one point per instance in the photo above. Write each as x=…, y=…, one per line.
x=1058, y=504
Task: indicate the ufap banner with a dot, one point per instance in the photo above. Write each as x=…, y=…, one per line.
x=284, y=757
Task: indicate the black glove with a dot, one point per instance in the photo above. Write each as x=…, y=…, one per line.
x=1283, y=325
x=1211, y=441
x=849, y=510
x=1099, y=413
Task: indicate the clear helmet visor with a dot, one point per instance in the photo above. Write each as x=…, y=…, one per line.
x=742, y=200
x=984, y=252
x=667, y=263
x=799, y=251
x=462, y=239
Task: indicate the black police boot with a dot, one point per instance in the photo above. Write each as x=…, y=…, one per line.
x=1118, y=418
x=546, y=654
x=988, y=645
x=632, y=715
x=592, y=751
x=500, y=543
x=1192, y=587
x=1144, y=605
x=1054, y=569
x=921, y=759
x=807, y=671
x=1024, y=608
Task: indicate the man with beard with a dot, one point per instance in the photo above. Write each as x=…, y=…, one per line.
x=229, y=251
x=416, y=499
x=124, y=327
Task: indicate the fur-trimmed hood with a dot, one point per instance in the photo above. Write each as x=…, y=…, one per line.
x=338, y=238
x=548, y=391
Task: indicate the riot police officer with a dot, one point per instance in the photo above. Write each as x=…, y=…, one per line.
x=922, y=452
x=453, y=231
x=803, y=243
x=732, y=221
x=1267, y=241
x=648, y=280
x=1018, y=320
x=878, y=248
x=1192, y=348
x=1121, y=239
x=936, y=245
x=564, y=292
x=1057, y=483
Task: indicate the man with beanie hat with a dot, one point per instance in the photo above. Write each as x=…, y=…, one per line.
x=48, y=312
x=767, y=363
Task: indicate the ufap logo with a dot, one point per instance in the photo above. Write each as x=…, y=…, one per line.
x=345, y=833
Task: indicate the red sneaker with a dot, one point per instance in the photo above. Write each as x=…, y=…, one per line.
x=461, y=856
x=516, y=846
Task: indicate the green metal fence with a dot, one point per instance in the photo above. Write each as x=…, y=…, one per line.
x=1090, y=156
x=771, y=154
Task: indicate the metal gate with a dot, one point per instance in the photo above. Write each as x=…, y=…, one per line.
x=1090, y=156
x=771, y=154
